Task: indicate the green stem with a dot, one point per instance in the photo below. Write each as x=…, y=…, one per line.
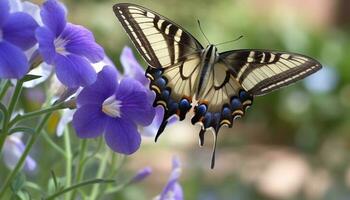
x=22, y=129
x=116, y=166
x=95, y=181
x=10, y=109
x=15, y=96
x=68, y=153
x=81, y=166
x=21, y=161
x=4, y=89
x=37, y=113
x=3, y=109
x=53, y=144
x=100, y=173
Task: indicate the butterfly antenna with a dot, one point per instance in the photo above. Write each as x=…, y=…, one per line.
x=230, y=41
x=200, y=28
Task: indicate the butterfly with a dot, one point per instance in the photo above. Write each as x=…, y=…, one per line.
x=217, y=87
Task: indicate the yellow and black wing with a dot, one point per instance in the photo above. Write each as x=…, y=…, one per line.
x=240, y=75
x=173, y=56
x=174, y=88
x=161, y=42
x=223, y=100
x=262, y=71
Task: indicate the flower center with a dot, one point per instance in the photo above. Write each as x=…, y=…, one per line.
x=111, y=107
x=60, y=45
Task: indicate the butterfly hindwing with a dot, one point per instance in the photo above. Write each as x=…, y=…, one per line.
x=161, y=42
x=262, y=71
x=222, y=101
x=174, y=88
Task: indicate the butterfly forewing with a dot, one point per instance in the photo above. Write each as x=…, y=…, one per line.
x=261, y=71
x=161, y=42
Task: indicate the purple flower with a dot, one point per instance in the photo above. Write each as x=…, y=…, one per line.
x=13, y=150
x=134, y=70
x=141, y=175
x=65, y=93
x=113, y=109
x=71, y=48
x=16, y=35
x=173, y=190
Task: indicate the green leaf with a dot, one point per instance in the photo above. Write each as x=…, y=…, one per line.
x=54, y=179
x=22, y=195
x=30, y=77
x=54, y=184
x=18, y=182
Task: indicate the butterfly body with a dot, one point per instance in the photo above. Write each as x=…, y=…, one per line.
x=209, y=56
x=185, y=76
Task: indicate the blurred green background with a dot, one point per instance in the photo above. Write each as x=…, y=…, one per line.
x=292, y=143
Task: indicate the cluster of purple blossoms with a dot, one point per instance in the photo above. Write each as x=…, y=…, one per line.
x=118, y=107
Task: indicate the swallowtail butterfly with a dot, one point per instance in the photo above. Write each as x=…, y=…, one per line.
x=219, y=87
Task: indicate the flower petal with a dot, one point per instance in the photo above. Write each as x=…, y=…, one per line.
x=178, y=193
x=141, y=175
x=33, y=10
x=74, y=71
x=13, y=62
x=89, y=121
x=135, y=105
x=46, y=44
x=101, y=89
x=172, y=187
x=105, y=61
x=82, y=42
x=4, y=11
x=151, y=130
x=131, y=67
x=19, y=29
x=67, y=116
x=53, y=15
x=121, y=136
x=15, y=6
x=13, y=150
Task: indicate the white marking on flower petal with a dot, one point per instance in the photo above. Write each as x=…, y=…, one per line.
x=60, y=46
x=1, y=35
x=111, y=107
